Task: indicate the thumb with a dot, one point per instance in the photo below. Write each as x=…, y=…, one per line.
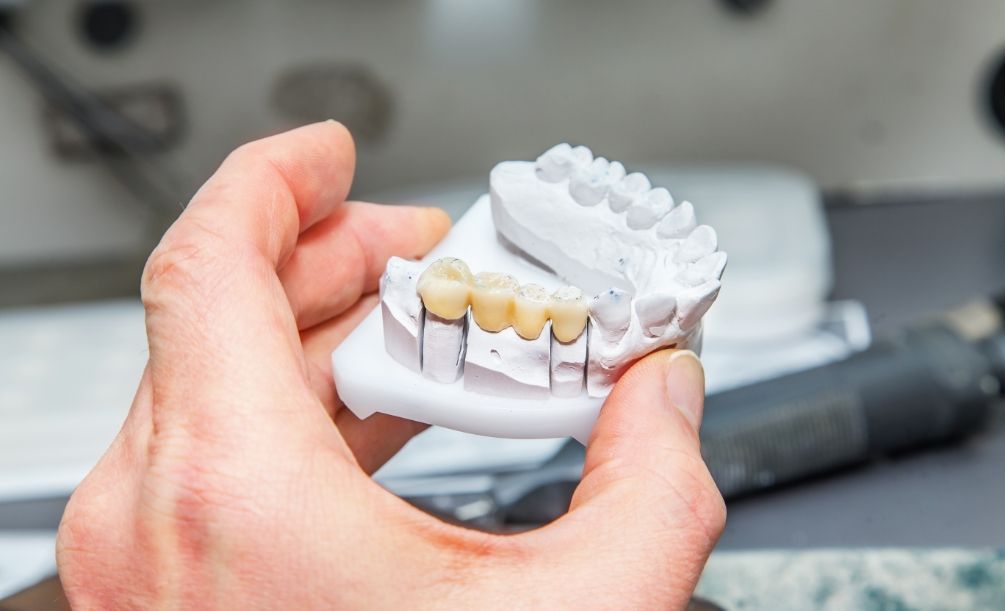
x=646, y=497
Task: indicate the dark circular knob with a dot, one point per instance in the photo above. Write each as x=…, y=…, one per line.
x=108, y=25
x=996, y=93
x=746, y=7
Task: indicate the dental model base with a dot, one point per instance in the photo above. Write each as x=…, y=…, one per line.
x=522, y=319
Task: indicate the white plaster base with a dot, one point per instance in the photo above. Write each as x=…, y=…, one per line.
x=443, y=347
x=402, y=341
x=403, y=312
x=369, y=380
x=568, y=366
x=506, y=365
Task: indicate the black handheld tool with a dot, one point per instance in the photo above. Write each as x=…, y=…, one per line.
x=930, y=384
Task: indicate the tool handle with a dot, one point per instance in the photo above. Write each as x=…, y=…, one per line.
x=926, y=386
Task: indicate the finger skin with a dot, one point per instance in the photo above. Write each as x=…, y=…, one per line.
x=218, y=314
x=640, y=431
x=267, y=192
x=375, y=440
x=343, y=256
x=646, y=503
x=320, y=340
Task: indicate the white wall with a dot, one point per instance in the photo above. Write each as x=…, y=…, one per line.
x=852, y=92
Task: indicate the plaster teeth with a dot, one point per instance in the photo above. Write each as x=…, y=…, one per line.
x=443, y=347
x=401, y=310
x=702, y=241
x=581, y=157
x=567, y=368
x=708, y=267
x=692, y=303
x=560, y=161
x=655, y=311
x=492, y=300
x=589, y=185
x=649, y=208
x=624, y=192
x=530, y=310
x=611, y=312
x=555, y=164
x=678, y=223
x=568, y=313
x=445, y=288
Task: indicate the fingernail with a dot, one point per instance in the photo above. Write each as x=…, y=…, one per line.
x=686, y=385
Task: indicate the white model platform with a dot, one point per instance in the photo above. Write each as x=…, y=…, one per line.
x=369, y=380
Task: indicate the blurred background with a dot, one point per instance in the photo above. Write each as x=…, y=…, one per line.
x=851, y=156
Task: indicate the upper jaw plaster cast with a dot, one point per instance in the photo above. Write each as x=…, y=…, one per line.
x=579, y=269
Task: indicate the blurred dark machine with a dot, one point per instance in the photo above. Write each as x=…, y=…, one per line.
x=932, y=383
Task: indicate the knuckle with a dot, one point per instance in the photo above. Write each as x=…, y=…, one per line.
x=86, y=545
x=79, y=526
x=249, y=151
x=258, y=158
x=169, y=269
x=188, y=260
x=701, y=496
x=688, y=492
x=709, y=504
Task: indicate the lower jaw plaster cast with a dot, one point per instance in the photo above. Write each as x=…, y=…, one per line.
x=486, y=354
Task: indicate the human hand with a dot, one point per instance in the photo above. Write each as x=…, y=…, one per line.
x=239, y=481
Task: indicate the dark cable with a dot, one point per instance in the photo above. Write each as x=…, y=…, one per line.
x=118, y=139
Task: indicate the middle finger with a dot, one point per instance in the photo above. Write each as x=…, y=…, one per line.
x=342, y=257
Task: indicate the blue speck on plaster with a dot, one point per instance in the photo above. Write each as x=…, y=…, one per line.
x=824, y=592
x=879, y=599
x=975, y=576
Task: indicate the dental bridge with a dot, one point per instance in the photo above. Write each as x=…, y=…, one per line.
x=581, y=269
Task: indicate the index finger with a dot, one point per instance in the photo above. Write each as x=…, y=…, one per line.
x=217, y=314
x=271, y=190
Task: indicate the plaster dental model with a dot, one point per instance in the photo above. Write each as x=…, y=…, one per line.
x=519, y=323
